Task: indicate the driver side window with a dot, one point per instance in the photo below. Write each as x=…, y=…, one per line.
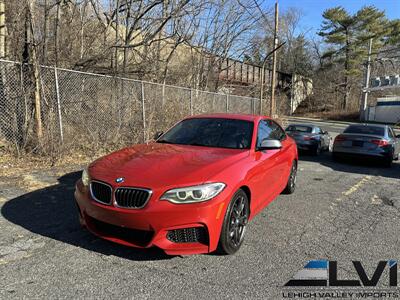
x=277, y=132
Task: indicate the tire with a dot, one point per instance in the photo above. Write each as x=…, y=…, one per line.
x=388, y=161
x=291, y=184
x=317, y=149
x=336, y=157
x=397, y=157
x=235, y=223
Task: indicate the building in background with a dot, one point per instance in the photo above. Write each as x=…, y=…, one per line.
x=386, y=110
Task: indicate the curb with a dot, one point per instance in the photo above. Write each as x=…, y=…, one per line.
x=319, y=120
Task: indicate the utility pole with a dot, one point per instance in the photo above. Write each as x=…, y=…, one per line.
x=2, y=29
x=274, y=59
x=364, y=97
x=263, y=74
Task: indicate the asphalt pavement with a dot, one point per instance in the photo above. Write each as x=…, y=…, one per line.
x=340, y=211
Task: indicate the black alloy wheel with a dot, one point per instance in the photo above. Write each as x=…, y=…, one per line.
x=291, y=184
x=235, y=222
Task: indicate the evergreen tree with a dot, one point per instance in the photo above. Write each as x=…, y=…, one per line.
x=349, y=35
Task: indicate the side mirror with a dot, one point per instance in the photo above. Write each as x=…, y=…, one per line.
x=398, y=136
x=158, y=134
x=325, y=132
x=267, y=144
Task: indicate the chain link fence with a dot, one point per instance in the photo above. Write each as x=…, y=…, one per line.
x=90, y=111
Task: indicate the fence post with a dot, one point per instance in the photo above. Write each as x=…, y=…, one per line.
x=191, y=102
x=227, y=102
x=58, y=105
x=143, y=113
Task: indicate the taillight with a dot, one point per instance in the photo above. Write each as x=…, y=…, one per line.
x=308, y=137
x=340, y=138
x=380, y=143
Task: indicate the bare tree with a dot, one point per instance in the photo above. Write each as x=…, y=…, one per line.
x=224, y=31
x=150, y=39
x=33, y=59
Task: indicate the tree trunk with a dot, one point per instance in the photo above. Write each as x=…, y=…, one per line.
x=36, y=71
x=116, y=37
x=346, y=75
x=346, y=93
x=126, y=39
x=160, y=34
x=56, y=34
x=45, y=25
x=82, y=28
x=2, y=29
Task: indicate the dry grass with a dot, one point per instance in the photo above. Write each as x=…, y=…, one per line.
x=32, y=172
x=10, y=165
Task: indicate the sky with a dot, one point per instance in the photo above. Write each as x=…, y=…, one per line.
x=313, y=9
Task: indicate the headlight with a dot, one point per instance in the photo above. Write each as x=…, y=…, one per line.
x=193, y=194
x=85, y=177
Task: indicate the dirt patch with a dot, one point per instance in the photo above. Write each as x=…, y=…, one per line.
x=31, y=183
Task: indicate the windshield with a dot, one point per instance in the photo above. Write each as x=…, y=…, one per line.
x=299, y=128
x=374, y=130
x=211, y=132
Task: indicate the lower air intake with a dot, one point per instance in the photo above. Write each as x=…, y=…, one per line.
x=188, y=235
x=135, y=236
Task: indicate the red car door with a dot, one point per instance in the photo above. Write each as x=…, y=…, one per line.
x=284, y=158
x=265, y=176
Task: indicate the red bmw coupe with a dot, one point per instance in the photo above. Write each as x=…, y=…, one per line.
x=192, y=190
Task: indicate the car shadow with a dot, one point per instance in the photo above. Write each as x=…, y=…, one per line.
x=355, y=166
x=52, y=212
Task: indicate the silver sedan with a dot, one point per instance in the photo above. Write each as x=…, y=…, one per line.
x=309, y=137
x=368, y=140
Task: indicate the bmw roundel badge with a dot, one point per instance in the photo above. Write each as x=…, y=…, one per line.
x=120, y=180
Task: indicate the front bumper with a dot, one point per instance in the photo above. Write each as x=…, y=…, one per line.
x=153, y=224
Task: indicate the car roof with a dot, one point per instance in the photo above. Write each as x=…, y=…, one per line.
x=370, y=125
x=245, y=117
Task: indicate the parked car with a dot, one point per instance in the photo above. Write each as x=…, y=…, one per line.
x=194, y=189
x=368, y=140
x=309, y=137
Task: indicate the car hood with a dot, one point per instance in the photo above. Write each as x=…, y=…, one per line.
x=157, y=165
